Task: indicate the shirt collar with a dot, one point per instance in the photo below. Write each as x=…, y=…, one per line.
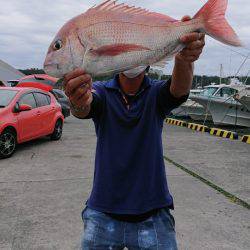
x=114, y=83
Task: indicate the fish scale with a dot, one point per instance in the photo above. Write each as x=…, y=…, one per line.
x=112, y=38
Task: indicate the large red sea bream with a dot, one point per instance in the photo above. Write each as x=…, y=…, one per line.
x=112, y=38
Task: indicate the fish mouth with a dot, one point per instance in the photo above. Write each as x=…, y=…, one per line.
x=51, y=65
x=52, y=69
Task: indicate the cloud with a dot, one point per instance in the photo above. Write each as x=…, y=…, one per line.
x=27, y=28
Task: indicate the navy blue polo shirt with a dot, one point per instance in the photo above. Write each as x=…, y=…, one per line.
x=129, y=175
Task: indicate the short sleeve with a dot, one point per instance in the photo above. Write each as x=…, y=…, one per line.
x=166, y=102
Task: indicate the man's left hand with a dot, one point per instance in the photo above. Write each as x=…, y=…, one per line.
x=194, y=43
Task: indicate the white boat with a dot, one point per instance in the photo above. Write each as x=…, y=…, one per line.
x=190, y=108
x=223, y=107
x=197, y=112
x=244, y=97
x=193, y=109
x=180, y=112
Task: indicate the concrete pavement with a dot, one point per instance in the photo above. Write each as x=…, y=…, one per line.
x=224, y=162
x=43, y=188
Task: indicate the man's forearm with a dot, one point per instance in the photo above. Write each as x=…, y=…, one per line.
x=182, y=78
x=81, y=114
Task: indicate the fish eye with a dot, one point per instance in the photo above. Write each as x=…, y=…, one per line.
x=58, y=45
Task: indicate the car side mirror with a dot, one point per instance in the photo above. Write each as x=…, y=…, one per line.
x=24, y=107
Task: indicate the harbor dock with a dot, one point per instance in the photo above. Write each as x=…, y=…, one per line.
x=44, y=186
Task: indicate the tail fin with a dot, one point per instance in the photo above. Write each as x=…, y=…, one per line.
x=216, y=25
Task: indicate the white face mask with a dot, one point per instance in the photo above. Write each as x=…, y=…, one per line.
x=132, y=73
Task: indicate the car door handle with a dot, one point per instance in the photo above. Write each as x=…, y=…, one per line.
x=38, y=113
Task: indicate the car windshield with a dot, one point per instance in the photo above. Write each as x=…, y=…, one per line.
x=6, y=96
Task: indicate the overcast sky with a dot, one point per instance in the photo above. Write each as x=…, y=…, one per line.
x=27, y=27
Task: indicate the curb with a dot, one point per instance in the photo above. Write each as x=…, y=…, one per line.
x=198, y=127
x=224, y=133
x=176, y=122
x=212, y=131
x=246, y=139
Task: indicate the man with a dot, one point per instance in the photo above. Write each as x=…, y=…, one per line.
x=130, y=201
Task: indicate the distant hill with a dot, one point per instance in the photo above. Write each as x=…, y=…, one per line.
x=32, y=71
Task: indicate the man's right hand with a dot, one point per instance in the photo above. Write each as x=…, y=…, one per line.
x=77, y=86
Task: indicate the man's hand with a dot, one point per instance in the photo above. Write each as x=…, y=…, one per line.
x=77, y=86
x=194, y=45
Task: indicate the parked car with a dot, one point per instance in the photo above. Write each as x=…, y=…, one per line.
x=47, y=83
x=63, y=100
x=2, y=84
x=12, y=83
x=27, y=114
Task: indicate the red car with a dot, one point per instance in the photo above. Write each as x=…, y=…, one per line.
x=27, y=114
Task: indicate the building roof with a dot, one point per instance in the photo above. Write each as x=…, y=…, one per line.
x=8, y=72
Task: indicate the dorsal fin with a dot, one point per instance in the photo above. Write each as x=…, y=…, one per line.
x=105, y=5
x=135, y=13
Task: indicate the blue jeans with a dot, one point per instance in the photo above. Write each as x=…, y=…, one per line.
x=101, y=232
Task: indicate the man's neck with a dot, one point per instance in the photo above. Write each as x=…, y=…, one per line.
x=131, y=86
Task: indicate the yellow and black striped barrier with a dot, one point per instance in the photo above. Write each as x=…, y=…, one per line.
x=224, y=133
x=198, y=127
x=213, y=131
x=176, y=122
x=246, y=139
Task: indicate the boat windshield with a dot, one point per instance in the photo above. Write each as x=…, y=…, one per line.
x=210, y=91
x=6, y=96
x=226, y=92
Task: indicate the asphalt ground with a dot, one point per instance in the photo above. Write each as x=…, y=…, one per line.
x=44, y=186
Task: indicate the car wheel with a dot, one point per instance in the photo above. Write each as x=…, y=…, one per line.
x=57, y=133
x=7, y=144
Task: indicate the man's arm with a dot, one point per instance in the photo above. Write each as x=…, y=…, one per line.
x=174, y=92
x=182, y=76
x=81, y=114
